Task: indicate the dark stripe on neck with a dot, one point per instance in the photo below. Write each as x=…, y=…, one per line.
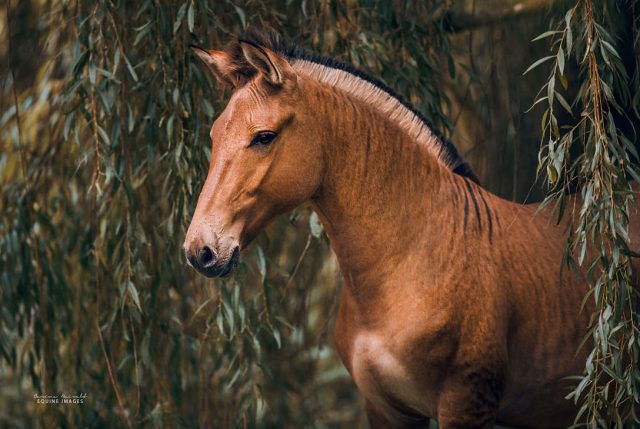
x=466, y=211
x=486, y=207
x=475, y=203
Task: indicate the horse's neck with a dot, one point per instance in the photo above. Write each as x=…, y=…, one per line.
x=381, y=192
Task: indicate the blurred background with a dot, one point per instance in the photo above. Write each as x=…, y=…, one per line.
x=104, y=121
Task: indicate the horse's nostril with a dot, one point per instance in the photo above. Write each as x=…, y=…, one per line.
x=206, y=257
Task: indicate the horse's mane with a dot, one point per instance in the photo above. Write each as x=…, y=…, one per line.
x=445, y=150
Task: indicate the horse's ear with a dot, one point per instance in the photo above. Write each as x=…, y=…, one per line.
x=220, y=65
x=275, y=68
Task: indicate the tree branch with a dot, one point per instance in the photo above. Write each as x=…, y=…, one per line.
x=465, y=19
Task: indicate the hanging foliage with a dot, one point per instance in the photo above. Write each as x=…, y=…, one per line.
x=104, y=122
x=593, y=102
x=104, y=153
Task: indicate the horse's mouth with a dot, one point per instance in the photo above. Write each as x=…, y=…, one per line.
x=232, y=264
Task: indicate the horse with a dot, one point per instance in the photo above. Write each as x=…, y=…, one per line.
x=453, y=307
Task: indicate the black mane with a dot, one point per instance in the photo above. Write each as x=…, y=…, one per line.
x=276, y=43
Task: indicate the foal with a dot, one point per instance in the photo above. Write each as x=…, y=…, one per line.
x=453, y=307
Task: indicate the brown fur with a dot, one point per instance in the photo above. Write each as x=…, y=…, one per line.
x=453, y=307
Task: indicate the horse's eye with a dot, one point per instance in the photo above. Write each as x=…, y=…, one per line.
x=263, y=138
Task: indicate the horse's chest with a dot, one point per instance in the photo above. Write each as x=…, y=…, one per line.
x=383, y=373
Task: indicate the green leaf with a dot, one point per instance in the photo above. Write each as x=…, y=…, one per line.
x=207, y=108
x=569, y=35
x=314, y=225
x=131, y=120
x=552, y=174
x=133, y=293
x=142, y=32
x=220, y=323
x=539, y=100
x=261, y=262
x=67, y=125
x=276, y=335
x=563, y=102
x=634, y=173
x=179, y=17
x=130, y=68
x=546, y=34
x=551, y=90
x=560, y=60
x=537, y=63
x=80, y=62
x=92, y=72
x=103, y=134
x=242, y=15
x=611, y=49
x=191, y=18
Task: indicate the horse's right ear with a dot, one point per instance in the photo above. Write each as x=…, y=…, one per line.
x=273, y=67
x=220, y=65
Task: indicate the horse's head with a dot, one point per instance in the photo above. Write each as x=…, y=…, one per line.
x=265, y=157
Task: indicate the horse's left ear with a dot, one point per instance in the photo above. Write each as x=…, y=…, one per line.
x=273, y=67
x=221, y=66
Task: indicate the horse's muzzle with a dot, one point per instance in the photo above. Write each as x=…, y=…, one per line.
x=207, y=262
